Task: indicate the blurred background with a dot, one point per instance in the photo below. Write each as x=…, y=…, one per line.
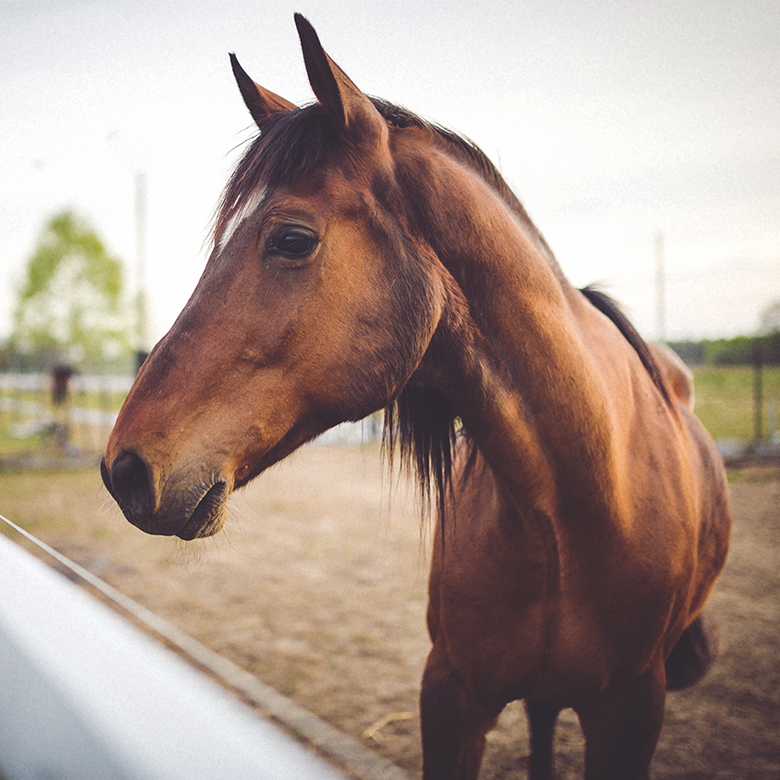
x=643, y=139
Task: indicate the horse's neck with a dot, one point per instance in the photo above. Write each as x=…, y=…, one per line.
x=529, y=397
x=518, y=370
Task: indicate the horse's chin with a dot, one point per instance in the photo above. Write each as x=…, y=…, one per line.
x=209, y=515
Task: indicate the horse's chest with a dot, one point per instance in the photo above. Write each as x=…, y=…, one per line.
x=513, y=619
x=519, y=641
x=490, y=600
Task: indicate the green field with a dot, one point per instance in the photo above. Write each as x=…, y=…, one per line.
x=724, y=399
x=105, y=401
x=724, y=403
x=17, y=445
x=26, y=417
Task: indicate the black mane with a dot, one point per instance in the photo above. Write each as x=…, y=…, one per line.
x=611, y=309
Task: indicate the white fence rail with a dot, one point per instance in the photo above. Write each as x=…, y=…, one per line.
x=80, y=424
x=26, y=410
x=86, y=696
x=112, y=383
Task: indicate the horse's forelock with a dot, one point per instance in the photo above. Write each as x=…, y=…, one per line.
x=294, y=144
x=287, y=151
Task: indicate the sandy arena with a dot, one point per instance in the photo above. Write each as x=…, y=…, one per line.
x=318, y=587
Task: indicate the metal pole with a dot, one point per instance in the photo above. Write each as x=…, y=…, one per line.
x=660, y=286
x=141, y=303
x=758, y=391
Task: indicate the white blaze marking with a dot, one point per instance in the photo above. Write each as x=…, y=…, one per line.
x=247, y=208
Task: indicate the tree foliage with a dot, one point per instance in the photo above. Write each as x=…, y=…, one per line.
x=764, y=347
x=770, y=319
x=70, y=300
x=737, y=351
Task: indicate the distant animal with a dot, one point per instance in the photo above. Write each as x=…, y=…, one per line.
x=364, y=259
x=60, y=379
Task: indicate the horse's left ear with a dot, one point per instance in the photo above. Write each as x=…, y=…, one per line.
x=350, y=110
x=261, y=102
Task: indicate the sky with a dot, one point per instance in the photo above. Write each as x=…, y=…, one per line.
x=615, y=122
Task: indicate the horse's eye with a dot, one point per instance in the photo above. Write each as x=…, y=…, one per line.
x=293, y=243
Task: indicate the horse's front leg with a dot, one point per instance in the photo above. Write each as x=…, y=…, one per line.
x=541, y=725
x=622, y=727
x=454, y=725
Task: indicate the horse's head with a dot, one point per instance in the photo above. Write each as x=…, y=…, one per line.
x=316, y=306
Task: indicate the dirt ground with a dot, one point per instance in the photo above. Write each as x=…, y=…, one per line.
x=318, y=587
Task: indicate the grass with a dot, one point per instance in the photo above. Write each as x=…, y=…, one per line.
x=11, y=445
x=42, y=500
x=724, y=403
x=84, y=440
x=22, y=414
x=724, y=399
x=86, y=399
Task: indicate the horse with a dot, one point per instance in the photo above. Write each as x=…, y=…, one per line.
x=366, y=259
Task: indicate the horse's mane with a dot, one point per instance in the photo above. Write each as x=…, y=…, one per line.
x=420, y=422
x=295, y=143
x=611, y=309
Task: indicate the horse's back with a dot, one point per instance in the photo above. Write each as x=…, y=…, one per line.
x=677, y=375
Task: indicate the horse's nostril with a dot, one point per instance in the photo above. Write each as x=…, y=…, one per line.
x=128, y=483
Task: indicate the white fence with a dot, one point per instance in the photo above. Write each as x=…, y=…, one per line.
x=82, y=424
x=26, y=411
x=85, y=696
x=112, y=383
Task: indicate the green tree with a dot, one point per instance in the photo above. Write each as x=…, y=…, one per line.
x=70, y=301
x=770, y=319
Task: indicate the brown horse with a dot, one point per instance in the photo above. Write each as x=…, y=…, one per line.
x=363, y=259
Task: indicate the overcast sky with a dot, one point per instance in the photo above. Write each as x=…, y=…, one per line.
x=612, y=120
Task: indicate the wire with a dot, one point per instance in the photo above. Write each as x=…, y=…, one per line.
x=190, y=647
x=346, y=752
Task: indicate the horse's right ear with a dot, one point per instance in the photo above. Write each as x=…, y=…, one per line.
x=351, y=112
x=262, y=103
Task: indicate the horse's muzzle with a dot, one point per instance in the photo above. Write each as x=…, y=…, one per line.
x=197, y=512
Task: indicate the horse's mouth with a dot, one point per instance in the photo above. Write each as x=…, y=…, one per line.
x=209, y=515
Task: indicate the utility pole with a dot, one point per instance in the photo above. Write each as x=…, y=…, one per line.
x=141, y=303
x=660, y=287
x=758, y=391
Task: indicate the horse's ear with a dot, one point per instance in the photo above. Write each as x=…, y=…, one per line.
x=349, y=109
x=262, y=103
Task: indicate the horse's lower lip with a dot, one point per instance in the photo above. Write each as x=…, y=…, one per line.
x=209, y=514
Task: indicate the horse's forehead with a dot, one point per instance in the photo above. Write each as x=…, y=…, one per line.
x=323, y=193
x=331, y=190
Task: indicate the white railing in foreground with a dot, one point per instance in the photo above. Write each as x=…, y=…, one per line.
x=86, y=696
